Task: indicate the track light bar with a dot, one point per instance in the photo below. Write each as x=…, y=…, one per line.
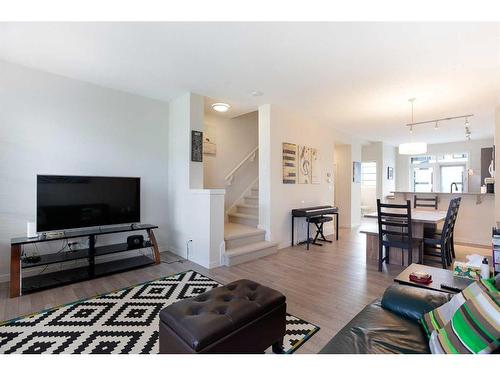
x=438, y=120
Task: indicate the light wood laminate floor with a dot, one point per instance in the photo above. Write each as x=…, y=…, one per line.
x=326, y=285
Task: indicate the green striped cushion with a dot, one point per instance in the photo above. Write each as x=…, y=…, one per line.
x=474, y=328
x=439, y=317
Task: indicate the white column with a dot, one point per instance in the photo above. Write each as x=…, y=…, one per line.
x=195, y=215
x=265, y=169
x=497, y=164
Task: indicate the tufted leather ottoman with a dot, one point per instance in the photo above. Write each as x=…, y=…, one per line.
x=240, y=317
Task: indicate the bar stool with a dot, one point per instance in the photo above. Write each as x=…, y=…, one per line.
x=427, y=202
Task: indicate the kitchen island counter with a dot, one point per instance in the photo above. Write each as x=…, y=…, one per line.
x=475, y=218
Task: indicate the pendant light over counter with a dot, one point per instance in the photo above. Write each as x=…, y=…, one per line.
x=412, y=148
x=419, y=148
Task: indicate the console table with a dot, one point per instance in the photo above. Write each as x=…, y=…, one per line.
x=21, y=285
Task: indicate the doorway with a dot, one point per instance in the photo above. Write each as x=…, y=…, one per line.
x=368, y=186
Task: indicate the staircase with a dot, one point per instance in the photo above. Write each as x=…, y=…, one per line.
x=244, y=241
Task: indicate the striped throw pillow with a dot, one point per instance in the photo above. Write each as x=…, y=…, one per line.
x=474, y=328
x=439, y=317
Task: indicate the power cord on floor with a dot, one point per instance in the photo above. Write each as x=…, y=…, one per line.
x=181, y=260
x=163, y=261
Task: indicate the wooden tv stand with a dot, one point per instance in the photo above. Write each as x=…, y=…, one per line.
x=20, y=285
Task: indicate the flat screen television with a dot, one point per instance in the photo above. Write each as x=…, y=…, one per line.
x=67, y=202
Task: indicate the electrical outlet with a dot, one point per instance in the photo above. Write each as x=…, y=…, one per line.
x=187, y=248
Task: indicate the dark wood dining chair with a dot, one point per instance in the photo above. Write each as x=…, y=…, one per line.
x=429, y=229
x=435, y=232
x=455, y=215
x=441, y=244
x=425, y=202
x=395, y=230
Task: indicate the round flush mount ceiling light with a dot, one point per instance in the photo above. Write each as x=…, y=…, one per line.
x=221, y=107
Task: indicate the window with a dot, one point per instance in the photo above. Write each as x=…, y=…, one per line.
x=369, y=174
x=422, y=159
x=422, y=180
x=452, y=174
x=452, y=158
x=437, y=172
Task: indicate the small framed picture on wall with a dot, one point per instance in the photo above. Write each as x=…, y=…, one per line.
x=356, y=172
x=196, y=146
x=390, y=173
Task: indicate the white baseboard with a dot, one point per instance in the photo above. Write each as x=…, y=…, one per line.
x=215, y=264
x=471, y=242
x=181, y=253
x=328, y=231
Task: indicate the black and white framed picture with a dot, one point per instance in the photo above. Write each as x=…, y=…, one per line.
x=356, y=172
x=196, y=146
x=390, y=173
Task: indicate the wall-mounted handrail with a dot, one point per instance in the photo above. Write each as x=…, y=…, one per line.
x=251, y=156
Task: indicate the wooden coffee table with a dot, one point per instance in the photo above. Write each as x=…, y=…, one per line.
x=439, y=276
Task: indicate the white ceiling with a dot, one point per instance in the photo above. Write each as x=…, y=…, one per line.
x=356, y=77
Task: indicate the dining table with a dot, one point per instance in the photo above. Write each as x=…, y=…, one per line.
x=419, y=218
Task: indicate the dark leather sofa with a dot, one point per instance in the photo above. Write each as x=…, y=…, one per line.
x=389, y=325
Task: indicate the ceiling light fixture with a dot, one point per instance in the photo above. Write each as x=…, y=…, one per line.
x=468, y=132
x=412, y=148
x=467, y=129
x=221, y=107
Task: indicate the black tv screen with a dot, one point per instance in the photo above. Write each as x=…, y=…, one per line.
x=66, y=202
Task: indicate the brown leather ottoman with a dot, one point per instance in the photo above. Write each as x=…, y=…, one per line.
x=241, y=317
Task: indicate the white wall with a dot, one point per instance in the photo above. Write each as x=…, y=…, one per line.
x=343, y=183
x=497, y=165
x=355, y=188
x=347, y=192
x=276, y=199
x=374, y=152
x=235, y=139
x=195, y=215
x=266, y=178
x=291, y=127
x=402, y=172
x=54, y=125
x=473, y=148
x=385, y=156
x=389, y=160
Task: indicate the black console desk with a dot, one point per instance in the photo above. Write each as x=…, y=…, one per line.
x=310, y=212
x=21, y=285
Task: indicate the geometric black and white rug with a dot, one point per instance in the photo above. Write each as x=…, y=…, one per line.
x=121, y=322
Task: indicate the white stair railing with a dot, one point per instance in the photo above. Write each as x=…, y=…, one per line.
x=250, y=157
